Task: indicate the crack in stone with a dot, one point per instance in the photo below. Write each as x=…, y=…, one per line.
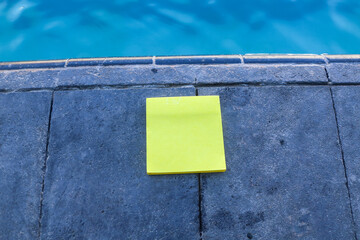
x=44, y=165
x=344, y=164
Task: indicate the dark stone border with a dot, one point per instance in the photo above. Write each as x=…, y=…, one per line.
x=284, y=58
x=32, y=64
x=128, y=61
x=350, y=58
x=216, y=59
x=177, y=60
x=81, y=62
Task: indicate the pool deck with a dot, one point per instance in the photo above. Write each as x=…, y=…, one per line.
x=73, y=149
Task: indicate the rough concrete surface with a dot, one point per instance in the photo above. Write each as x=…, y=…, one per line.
x=285, y=178
x=23, y=133
x=73, y=150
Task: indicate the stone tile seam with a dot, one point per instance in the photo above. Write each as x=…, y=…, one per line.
x=43, y=169
x=328, y=76
x=200, y=193
x=195, y=85
x=344, y=164
x=179, y=60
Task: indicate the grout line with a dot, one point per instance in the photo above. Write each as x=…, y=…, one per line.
x=260, y=84
x=344, y=164
x=102, y=63
x=95, y=87
x=196, y=84
x=242, y=59
x=66, y=62
x=327, y=76
x=326, y=60
x=200, y=207
x=153, y=60
x=199, y=192
x=44, y=165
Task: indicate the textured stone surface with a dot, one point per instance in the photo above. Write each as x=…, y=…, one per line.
x=260, y=73
x=283, y=58
x=23, y=133
x=285, y=178
x=344, y=72
x=32, y=64
x=162, y=74
x=126, y=75
x=96, y=75
x=346, y=58
x=96, y=185
x=347, y=103
x=215, y=59
x=28, y=78
x=126, y=61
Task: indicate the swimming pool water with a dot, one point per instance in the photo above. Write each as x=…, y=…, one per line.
x=49, y=29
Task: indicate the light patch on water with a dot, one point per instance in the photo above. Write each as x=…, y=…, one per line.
x=53, y=24
x=15, y=12
x=178, y=16
x=2, y=7
x=301, y=39
x=14, y=44
x=345, y=24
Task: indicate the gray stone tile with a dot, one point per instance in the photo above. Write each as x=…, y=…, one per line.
x=260, y=73
x=126, y=75
x=284, y=58
x=346, y=58
x=28, y=78
x=285, y=178
x=344, y=72
x=23, y=133
x=347, y=103
x=96, y=186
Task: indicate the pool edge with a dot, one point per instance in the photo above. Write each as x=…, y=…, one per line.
x=179, y=60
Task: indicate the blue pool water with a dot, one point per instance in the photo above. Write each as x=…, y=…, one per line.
x=60, y=29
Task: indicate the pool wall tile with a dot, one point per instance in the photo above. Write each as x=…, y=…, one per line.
x=348, y=58
x=284, y=58
x=128, y=61
x=85, y=62
x=218, y=59
x=32, y=64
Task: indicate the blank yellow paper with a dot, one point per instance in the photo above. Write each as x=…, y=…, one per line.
x=184, y=135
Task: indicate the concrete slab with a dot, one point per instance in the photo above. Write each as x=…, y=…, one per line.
x=96, y=186
x=344, y=72
x=23, y=134
x=126, y=75
x=285, y=178
x=162, y=75
x=28, y=79
x=347, y=104
x=260, y=74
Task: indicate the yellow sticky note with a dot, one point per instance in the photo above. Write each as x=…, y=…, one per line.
x=184, y=135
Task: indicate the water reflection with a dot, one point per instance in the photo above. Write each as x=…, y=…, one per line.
x=173, y=23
